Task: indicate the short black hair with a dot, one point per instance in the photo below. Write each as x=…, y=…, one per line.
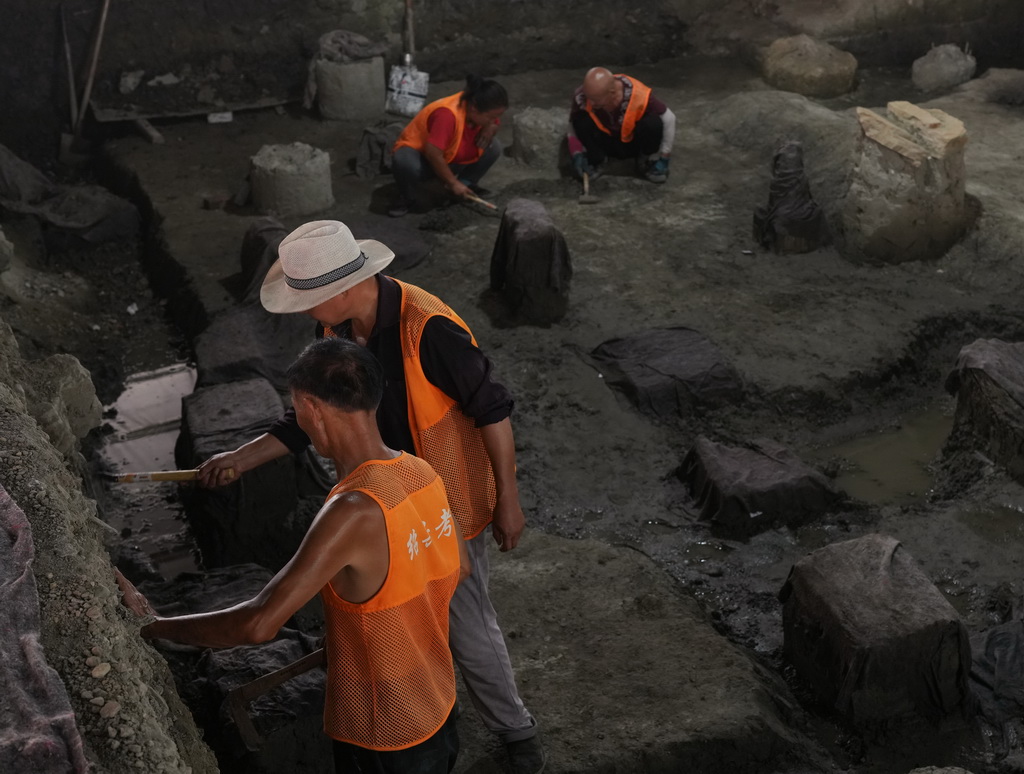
x=340, y=373
x=484, y=94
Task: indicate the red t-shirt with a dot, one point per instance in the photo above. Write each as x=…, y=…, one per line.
x=441, y=128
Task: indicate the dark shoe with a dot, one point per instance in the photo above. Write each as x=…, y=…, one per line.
x=399, y=207
x=526, y=756
x=657, y=170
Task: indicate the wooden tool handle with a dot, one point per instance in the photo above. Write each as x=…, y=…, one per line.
x=261, y=685
x=586, y=184
x=478, y=200
x=157, y=475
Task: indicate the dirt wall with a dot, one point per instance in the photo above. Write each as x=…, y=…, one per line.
x=269, y=41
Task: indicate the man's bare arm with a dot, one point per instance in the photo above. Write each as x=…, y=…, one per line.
x=509, y=520
x=337, y=539
x=226, y=467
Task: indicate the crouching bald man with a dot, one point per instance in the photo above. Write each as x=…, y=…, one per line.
x=385, y=555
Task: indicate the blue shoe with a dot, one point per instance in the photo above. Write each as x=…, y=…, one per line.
x=657, y=170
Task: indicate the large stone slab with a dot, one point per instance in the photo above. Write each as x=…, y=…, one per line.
x=263, y=516
x=293, y=179
x=988, y=382
x=669, y=372
x=350, y=90
x=539, y=137
x=791, y=222
x=906, y=199
x=808, y=66
x=530, y=264
x=743, y=490
x=943, y=67
x=872, y=636
x=247, y=342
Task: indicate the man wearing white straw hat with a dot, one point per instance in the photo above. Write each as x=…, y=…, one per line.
x=442, y=404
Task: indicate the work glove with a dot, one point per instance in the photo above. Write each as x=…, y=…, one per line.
x=580, y=165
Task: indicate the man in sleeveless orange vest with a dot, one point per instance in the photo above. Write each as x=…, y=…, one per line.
x=616, y=115
x=442, y=404
x=385, y=555
x=451, y=139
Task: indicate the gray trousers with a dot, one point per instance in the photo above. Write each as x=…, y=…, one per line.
x=410, y=167
x=480, y=653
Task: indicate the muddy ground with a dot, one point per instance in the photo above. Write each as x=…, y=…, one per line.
x=829, y=350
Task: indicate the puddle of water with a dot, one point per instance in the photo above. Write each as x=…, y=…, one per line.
x=891, y=467
x=999, y=524
x=146, y=426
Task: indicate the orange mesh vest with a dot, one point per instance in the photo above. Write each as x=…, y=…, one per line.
x=443, y=436
x=415, y=134
x=390, y=681
x=634, y=110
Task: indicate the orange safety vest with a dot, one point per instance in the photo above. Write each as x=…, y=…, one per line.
x=390, y=681
x=634, y=110
x=444, y=436
x=441, y=433
x=416, y=132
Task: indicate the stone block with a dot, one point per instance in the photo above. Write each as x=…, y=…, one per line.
x=530, y=264
x=906, y=197
x=350, y=90
x=539, y=137
x=988, y=382
x=291, y=179
x=258, y=253
x=247, y=342
x=261, y=517
x=669, y=372
x=808, y=66
x=873, y=637
x=943, y=67
x=792, y=222
x=743, y=490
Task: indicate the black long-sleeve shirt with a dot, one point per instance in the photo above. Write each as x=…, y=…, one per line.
x=450, y=362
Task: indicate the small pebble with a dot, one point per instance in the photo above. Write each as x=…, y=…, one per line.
x=93, y=612
x=110, y=709
x=95, y=650
x=98, y=701
x=92, y=661
x=114, y=744
x=111, y=731
x=86, y=694
x=126, y=731
x=100, y=670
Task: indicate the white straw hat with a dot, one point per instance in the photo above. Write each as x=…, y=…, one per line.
x=316, y=262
